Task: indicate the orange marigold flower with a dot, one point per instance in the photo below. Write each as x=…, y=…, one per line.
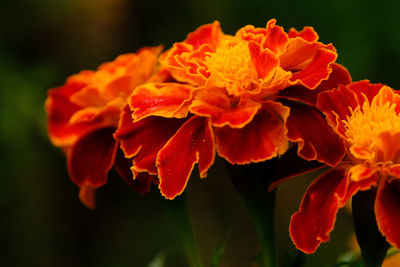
x=367, y=117
x=84, y=113
x=225, y=95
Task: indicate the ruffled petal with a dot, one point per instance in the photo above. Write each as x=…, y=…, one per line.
x=339, y=75
x=265, y=61
x=192, y=143
x=316, y=217
x=307, y=33
x=318, y=69
x=185, y=60
x=142, y=140
x=387, y=210
x=309, y=62
x=166, y=99
x=316, y=140
x=276, y=39
x=272, y=37
x=217, y=105
x=91, y=157
x=206, y=34
x=263, y=138
x=251, y=33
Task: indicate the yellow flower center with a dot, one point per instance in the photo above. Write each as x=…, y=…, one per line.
x=367, y=127
x=231, y=67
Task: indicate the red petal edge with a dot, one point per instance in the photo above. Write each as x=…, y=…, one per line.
x=192, y=143
x=316, y=140
x=316, y=217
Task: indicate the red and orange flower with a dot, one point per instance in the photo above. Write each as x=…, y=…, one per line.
x=84, y=113
x=244, y=96
x=367, y=117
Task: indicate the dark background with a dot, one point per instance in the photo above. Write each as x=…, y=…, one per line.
x=42, y=42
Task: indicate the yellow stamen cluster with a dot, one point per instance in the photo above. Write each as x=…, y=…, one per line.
x=365, y=124
x=231, y=67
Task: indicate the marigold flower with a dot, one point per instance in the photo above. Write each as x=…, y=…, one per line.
x=366, y=116
x=84, y=113
x=234, y=95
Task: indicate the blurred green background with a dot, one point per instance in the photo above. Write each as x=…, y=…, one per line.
x=43, y=42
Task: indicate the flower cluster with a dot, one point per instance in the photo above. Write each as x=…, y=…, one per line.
x=247, y=97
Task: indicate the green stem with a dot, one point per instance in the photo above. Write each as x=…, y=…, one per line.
x=251, y=182
x=372, y=244
x=177, y=210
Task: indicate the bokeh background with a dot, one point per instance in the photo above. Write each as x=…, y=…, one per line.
x=42, y=42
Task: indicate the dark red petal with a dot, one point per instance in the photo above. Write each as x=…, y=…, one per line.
x=387, y=210
x=339, y=75
x=142, y=140
x=316, y=217
x=192, y=143
x=87, y=196
x=366, y=88
x=141, y=183
x=337, y=105
x=91, y=157
x=263, y=138
x=316, y=140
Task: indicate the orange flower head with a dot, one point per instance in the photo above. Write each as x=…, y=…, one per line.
x=94, y=99
x=367, y=117
x=232, y=94
x=369, y=127
x=84, y=113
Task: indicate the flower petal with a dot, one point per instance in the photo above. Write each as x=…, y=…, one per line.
x=276, y=39
x=164, y=99
x=316, y=217
x=60, y=109
x=141, y=183
x=309, y=62
x=87, y=196
x=307, y=33
x=205, y=34
x=192, y=143
x=265, y=61
x=263, y=138
x=316, y=140
x=143, y=139
x=318, y=69
x=314, y=221
x=339, y=75
x=337, y=105
x=91, y=157
x=217, y=105
x=387, y=210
